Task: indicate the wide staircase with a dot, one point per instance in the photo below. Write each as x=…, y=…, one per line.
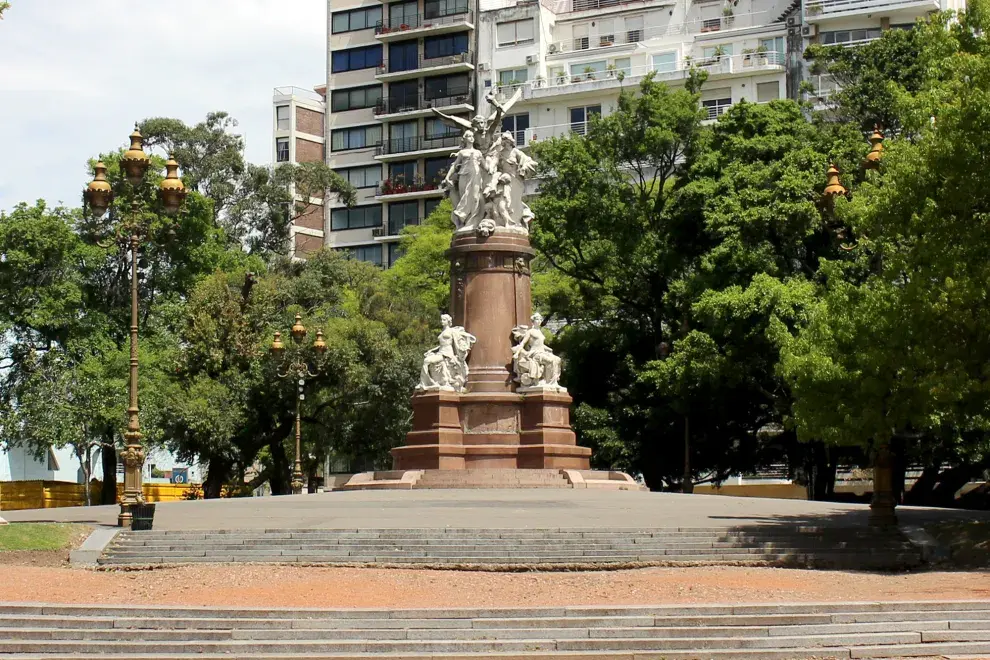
x=492, y=479
x=545, y=549
x=722, y=632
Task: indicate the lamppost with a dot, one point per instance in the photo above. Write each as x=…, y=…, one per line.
x=130, y=232
x=298, y=367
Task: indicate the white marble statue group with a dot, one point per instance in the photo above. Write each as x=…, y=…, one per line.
x=534, y=365
x=485, y=182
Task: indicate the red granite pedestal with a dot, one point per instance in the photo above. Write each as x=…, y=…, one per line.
x=493, y=424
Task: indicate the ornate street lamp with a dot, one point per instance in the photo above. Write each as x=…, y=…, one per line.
x=130, y=232
x=876, y=150
x=298, y=366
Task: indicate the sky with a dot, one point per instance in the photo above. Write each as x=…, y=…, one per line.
x=76, y=74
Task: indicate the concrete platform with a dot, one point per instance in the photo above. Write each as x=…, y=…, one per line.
x=493, y=509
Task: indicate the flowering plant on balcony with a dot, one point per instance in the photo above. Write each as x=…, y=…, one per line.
x=400, y=186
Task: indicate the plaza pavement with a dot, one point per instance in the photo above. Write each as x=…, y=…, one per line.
x=492, y=509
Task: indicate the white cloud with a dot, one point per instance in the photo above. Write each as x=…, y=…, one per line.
x=75, y=76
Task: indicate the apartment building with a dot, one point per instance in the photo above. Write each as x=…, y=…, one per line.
x=390, y=64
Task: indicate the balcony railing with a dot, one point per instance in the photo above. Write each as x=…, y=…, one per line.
x=819, y=7
x=395, y=228
x=418, y=143
x=401, y=186
x=426, y=63
x=408, y=103
x=459, y=15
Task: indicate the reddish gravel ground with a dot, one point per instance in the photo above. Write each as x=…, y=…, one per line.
x=289, y=586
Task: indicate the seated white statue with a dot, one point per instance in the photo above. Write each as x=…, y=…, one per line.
x=445, y=367
x=533, y=362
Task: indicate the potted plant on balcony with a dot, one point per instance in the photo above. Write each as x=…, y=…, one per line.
x=589, y=73
x=727, y=15
x=404, y=26
x=610, y=71
x=748, y=56
x=539, y=81
x=718, y=53
x=761, y=55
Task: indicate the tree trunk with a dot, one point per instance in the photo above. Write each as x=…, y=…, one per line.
x=821, y=472
x=87, y=468
x=109, y=460
x=216, y=475
x=280, y=469
x=687, y=483
x=921, y=492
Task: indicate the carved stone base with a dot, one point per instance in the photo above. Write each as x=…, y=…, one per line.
x=491, y=430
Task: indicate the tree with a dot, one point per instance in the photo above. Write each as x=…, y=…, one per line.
x=423, y=270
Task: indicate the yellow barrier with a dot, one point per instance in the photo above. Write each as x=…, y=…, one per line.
x=17, y=495
x=777, y=491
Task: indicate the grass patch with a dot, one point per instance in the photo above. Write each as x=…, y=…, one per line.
x=38, y=536
x=969, y=541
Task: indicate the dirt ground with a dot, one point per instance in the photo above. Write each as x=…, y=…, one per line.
x=290, y=586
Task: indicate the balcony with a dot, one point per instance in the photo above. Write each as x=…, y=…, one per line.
x=393, y=231
x=406, y=106
x=398, y=148
x=627, y=38
x=816, y=11
x=426, y=67
x=394, y=190
x=422, y=25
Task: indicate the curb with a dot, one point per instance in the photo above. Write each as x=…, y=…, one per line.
x=94, y=545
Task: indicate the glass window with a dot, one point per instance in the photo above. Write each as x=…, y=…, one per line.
x=517, y=125
x=394, y=252
x=512, y=76
x=356, y=217
x=841, y=37
x=359, y=137
x=438, y=8
x=403, y=15
x=430, y=205
x=440, y=87
x=402, y=172
x=356, y=98
x=767, y=91
x=665, y=62
x=581, y=116
x=589, y=70
x=282, y=150
x=356, y=19
x=436, y=169
x=512, y=33
x=445, y=45
x=367, y=176
x=634, y=29
x=282, y=117
x=717, y=51
x=370, y=253
x=353, y=59
x=402, y=214
x=435, y=128
x=716, y=107
x=403, y=56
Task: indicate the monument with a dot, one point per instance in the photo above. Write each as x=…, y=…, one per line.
x=489, y=393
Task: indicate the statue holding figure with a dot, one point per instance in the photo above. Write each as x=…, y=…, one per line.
x=464, y=184
x=445, y=366
x=510, y=168
x=533, y=362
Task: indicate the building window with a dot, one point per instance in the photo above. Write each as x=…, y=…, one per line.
x=439, y=8
x=846, y=36
x=436, y=128
x=588, y=70
x=517, y=125
x=360, y=137
x=282, y=118
x=370, y=253
x=403, y=56
x=429, y=206
x=445, y=45
x=634, y=29
x=400, y=215
x=711, y=25
x=581, y=39
x=440, y=87
x=282, y=150
x=356, y=19
x=513, y=33
x=581, y=116
x=356, y=98
x=663, y=62
x=512, y=77
x=395, y=252
x=402, y=173
x=767, y=91
x=716, y=52
x=716, y=106
x=368, y=176
x=357, y=217
x=436, y=169
x=403, y=15
x=353, y=59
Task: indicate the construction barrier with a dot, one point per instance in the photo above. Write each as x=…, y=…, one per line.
x=777, y=491
x=17, y=495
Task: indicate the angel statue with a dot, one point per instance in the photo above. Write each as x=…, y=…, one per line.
x=463, y=183
x=483, y=128
x=533, y=362
x=445, y=367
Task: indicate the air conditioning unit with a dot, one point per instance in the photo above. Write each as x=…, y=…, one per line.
x=809, y=30
x=792, y=21
x=552, y=49
x=482, y=66
x=531, y=59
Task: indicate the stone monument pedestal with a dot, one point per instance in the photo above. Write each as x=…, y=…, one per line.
x=493, y=423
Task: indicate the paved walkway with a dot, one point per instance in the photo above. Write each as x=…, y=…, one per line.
x=498, y=509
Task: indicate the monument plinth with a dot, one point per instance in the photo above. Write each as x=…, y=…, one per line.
x=489, y=395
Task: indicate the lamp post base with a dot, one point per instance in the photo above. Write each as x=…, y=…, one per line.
x=126, y=517
x=297, y=484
